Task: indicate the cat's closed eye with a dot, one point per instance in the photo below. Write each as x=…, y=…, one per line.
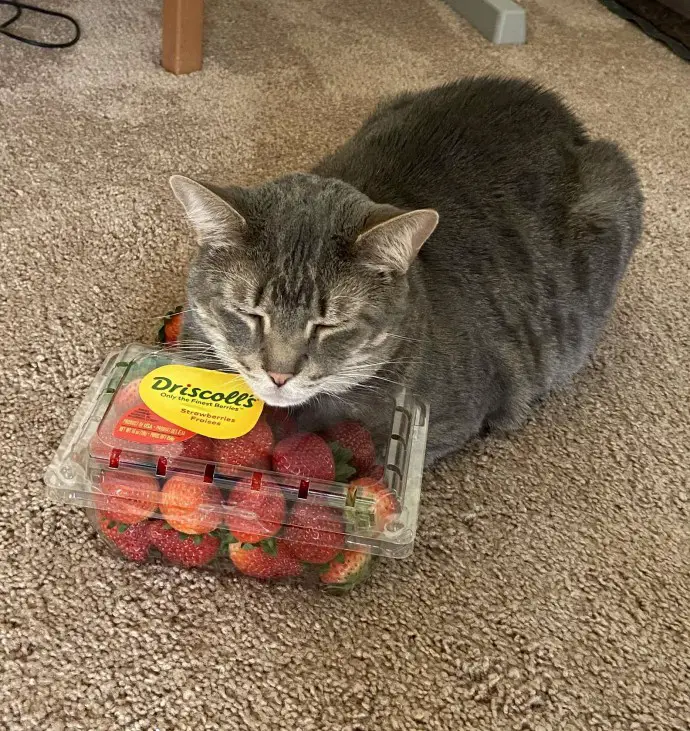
x=256, y=316
x=320, y=329
x=256, y=321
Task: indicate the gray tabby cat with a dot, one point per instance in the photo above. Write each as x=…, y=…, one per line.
x=468, y=242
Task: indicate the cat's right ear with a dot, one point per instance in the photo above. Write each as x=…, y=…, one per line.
x=215, y=221
x=392, y=237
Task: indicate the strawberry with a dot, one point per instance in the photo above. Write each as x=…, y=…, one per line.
x=266, y=560
x=172, y=327
x=133, y=541
x=314, y=534
x=127, y=497
x=280, y=421
x=386, y=503
x=376, y=472
x=306, y=455
x=191, y=505
x=126, y=451
x=196, y=447
x=184, y=550
x=105, y=440
x=251, y=450
x=255, y=514
x=126, y=398
x=346, y=570
x=353, y=436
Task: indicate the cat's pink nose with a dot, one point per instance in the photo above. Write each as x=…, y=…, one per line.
x=280, y=379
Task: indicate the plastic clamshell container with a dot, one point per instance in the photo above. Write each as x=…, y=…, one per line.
x=189, y=506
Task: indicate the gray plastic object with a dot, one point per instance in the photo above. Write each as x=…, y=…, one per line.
x=501, y=21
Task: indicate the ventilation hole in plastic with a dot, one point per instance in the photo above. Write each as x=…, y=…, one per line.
x=401, y=439
x=161, y=467
x=303, y=489
x=114, y=460
x=209, y=472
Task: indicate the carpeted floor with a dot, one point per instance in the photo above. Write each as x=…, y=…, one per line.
x=550, y=588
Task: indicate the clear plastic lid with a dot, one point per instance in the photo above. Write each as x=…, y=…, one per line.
x=157, y=435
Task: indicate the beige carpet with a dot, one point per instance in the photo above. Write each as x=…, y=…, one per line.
x=550, y=588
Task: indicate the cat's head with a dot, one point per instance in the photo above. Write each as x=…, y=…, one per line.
x=300, y=284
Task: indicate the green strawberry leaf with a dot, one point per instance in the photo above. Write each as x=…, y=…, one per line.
x=226, y=539
x=340, y=558
x=270, y=546
x=340, y=453
x=112, y=524
x=197, y=540
x=122, y=527
x=249, y=546
x=342, y=456
x=167, y=526
x=343, y=472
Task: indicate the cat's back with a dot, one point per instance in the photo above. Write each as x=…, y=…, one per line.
x=469, y=134
x=473, y=110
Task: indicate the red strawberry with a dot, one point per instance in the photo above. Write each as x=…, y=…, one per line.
x=105, y=440
x=172, y=327
x=123, y=449
x=255, y=514
x=376, y=472
x=282, y=424
x=314, y=534
x=346, y=570
x=266, y=560
x=185, y=550
x=251, y=450
x=132, y=541
x=127, y=397
x=196, y=447
x=127, y=497
x=306, y=455
x=191, y=505
x=353, y=436
x=386, y=503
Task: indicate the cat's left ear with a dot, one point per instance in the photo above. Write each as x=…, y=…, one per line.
x=392, y=238
x=215, y=221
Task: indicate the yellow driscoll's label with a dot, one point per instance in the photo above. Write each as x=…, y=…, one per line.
x=215, y=404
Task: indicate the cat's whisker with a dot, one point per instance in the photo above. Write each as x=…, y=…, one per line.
x=402, y=337
x=191, y=346
x=381, y=365
x=354, y=384
x=186, y=343
x=388, y=380
x=191, y=351
x=158, y=318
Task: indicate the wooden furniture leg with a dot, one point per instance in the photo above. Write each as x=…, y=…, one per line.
x=183, y=30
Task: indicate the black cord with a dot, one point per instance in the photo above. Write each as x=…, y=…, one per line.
x=19, y=7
